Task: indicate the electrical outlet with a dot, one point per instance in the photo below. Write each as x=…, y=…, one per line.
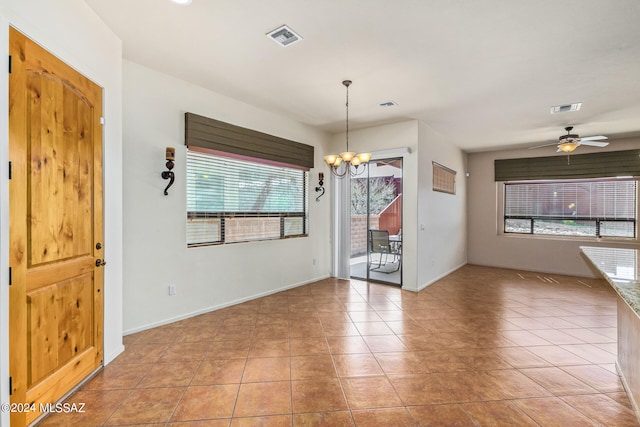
x=172, y=290
x=314, y=261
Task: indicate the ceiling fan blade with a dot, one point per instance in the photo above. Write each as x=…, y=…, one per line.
x=593, y=138
x=545, y=145
x=594, y=143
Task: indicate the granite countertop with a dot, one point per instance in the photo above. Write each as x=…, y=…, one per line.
x=620, y=268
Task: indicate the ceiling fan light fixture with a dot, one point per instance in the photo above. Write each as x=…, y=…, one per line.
x=568, y=147
x=569, y=142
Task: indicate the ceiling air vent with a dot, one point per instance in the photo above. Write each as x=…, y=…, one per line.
x=388, y=104
x=284, y=36
x=567, y=107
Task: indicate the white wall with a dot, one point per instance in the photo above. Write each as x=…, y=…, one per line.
x=442, y=218
x=70, y=30
x=388, y=137
x=156, y=254
x=545, y=254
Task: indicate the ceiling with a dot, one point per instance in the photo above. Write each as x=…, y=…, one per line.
x=483, y=73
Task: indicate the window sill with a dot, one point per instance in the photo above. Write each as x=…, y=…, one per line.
x=577, y=239
x=200, y=245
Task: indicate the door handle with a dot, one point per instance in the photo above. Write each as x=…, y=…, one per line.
x=100, y=262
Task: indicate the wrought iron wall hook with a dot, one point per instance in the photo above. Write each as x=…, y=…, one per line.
x=168, y=174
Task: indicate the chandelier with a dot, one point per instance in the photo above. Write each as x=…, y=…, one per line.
x=348, y=162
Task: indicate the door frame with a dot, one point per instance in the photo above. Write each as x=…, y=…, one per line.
x=4, y=220
x=367, y=174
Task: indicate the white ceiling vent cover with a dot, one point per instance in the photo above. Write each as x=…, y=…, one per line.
x=284, y=36
x=567, y=107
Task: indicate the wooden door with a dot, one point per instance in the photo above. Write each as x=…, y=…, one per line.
x=55, y=213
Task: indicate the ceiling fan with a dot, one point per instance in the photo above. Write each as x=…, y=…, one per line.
x=569, y=142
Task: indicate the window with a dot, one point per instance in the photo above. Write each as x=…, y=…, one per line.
x=230, y=200
x=594, y=208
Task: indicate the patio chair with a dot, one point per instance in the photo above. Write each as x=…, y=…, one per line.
x=379, y=244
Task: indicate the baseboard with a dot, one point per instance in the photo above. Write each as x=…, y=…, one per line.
x=459, y=266
x=220, y=306
x=593, y=275
x=111, y=356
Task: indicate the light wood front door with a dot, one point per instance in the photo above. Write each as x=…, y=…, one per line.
x=55, y=196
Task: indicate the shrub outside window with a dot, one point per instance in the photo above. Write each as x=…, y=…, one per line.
x=586, y=208
x=231, y=200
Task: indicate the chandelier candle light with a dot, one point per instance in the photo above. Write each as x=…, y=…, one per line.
x=348, y=158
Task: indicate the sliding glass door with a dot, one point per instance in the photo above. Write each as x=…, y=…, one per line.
x=376, y=222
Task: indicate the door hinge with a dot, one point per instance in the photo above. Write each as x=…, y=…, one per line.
x=9, y=170
x=10, y=386
x=9, y=64
x=101, y=120
x=10, y=276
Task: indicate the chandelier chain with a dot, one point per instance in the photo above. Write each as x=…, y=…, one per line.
x=347, y=105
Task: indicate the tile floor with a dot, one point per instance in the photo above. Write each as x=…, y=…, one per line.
x=482, y=347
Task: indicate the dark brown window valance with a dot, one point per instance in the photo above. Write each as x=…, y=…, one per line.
x=592, y=165
x=219, y=136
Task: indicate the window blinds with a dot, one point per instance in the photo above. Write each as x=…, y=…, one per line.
x=230, y=200
x=586, y=199
x=601, y=207
x=444, y=179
